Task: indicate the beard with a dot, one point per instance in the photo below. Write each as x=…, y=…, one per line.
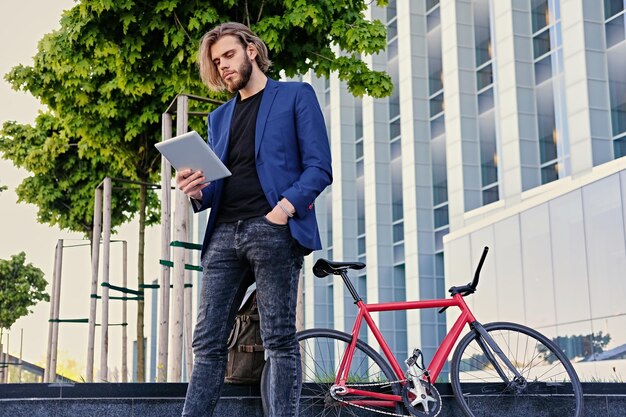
x=244, y=71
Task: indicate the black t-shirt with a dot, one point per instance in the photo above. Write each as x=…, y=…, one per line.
x=243, y=197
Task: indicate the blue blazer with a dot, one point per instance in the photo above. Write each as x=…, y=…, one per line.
x=292, y=155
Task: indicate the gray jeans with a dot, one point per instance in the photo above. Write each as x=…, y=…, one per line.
x=239, y=253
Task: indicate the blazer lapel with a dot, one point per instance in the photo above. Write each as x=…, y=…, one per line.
x=264, y=110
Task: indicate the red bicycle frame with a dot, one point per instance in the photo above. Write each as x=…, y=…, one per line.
x=434, y=367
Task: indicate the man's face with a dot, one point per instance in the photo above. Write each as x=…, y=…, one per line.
x=232, y=62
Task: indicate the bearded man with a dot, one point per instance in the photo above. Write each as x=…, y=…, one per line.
x=272, y=137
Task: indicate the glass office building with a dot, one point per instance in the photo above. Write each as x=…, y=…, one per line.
x=507, y=129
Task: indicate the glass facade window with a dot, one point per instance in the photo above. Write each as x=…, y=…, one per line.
x=394, y=125
x=436, y=104
x=485, y=100
x=437, y=126
x=431, y=3
x=550, y=90
x=615, y=30
x=613, y=7
x=327, y=104
x=441, y=216
x=329, y=222
x=440, y=177
x=540, y=14
x=360, y=223
x=396, y=189
x=328, y=194
x=437, y=109
x=360, y=186
x=482, y=32
x=437, y=123
x=433, y=19
x=488, y=150
x=435, y=66
x=484, y=77
x=432, y=325
x=394, y=291
x=486, y=114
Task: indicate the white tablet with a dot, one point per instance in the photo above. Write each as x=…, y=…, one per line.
x=189, y=150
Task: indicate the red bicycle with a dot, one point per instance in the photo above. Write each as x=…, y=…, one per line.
x=498, y=369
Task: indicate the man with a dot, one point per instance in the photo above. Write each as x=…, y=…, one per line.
x=272, y=137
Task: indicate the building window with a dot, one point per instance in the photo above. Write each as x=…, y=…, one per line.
x=329, y=222
x=327, y=104
x=549, y=90
x=615, y=31
x=360, y=196
x=395, y=148
x=484, y=93
x=437, y=127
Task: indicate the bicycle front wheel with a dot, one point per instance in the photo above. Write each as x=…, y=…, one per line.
x=485, y=386
x=321, y=353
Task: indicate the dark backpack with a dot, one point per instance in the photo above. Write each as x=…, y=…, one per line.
x=246, y=356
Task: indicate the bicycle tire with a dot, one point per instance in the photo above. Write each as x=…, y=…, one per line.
x=321, y=351
x=552, y=387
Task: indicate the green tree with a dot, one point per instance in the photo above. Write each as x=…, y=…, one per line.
x=21, y=287
x=61, y=183
x=112, y=67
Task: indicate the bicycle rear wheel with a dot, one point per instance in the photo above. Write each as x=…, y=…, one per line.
x=549, y=386
x=321, y=351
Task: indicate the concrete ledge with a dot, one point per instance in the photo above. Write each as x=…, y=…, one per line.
x=118, y=400
x=165, y=400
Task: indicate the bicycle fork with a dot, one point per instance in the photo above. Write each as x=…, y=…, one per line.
x=489, y=347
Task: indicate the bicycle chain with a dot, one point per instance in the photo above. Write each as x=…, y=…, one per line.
x=370, y=384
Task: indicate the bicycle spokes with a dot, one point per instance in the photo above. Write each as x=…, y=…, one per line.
x=534, y=374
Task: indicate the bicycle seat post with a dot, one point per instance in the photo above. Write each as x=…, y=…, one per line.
x=346, y=280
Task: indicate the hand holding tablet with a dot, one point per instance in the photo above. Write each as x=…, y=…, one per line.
x=190, y=151
x=191, y=183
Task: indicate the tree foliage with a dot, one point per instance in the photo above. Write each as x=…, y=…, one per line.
x=21, y=287
x=61, y=184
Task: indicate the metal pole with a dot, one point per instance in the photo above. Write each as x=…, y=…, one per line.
x=57, y=306
x=177, y=310
x=124, y=313
x=95, y=258
x=2, y=368
x=181, y=219
x=187, y=320
x=300, y=304
x=166, y=235
x=46, y=370
x=106, y=252
x=7, y=358
x=19, y=375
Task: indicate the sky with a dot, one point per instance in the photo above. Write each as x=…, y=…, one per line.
x=25, y=22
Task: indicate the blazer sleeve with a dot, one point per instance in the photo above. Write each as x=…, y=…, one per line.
x=314, y=148
x=205, y=203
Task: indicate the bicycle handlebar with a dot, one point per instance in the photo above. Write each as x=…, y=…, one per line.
x=469, y=288
x=474, y=283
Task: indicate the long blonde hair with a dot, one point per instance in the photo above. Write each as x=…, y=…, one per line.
x=208, y=71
